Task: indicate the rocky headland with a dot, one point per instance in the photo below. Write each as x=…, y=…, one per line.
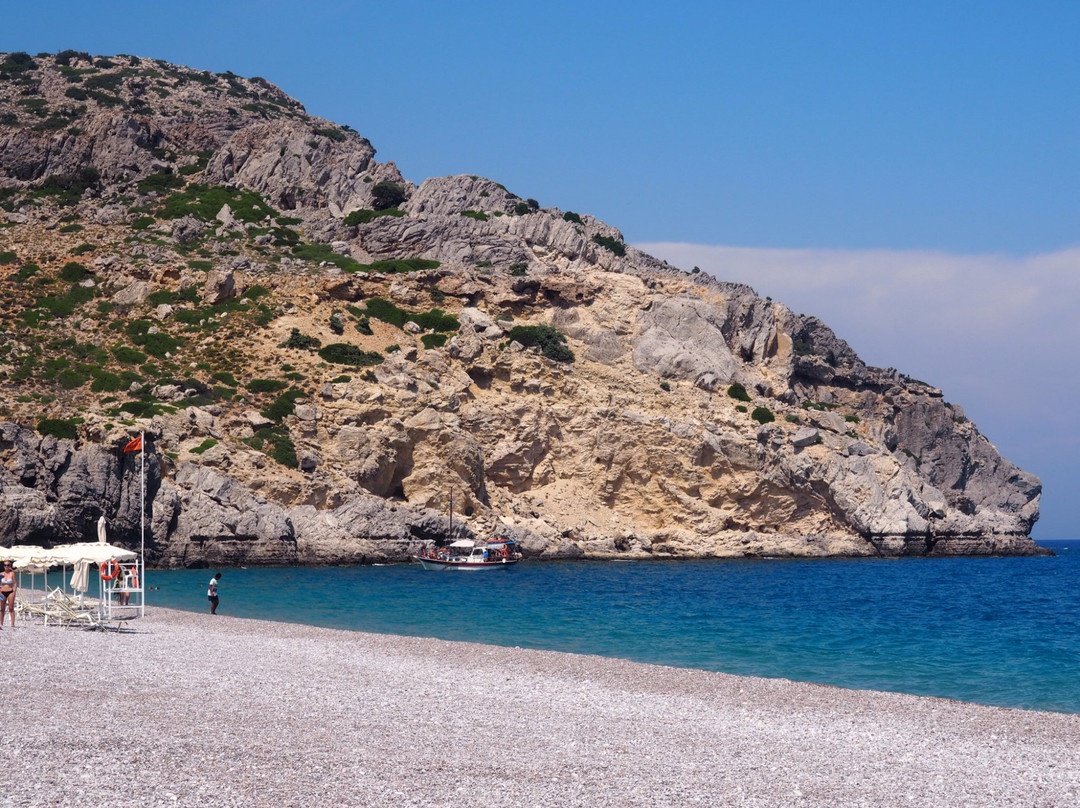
x=321, y=353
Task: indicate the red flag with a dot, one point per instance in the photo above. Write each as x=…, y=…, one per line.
x=135, y=445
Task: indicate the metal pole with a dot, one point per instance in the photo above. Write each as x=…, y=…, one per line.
x=142, y=524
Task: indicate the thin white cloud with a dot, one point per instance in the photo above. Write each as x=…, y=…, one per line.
x=873, y=298
x=999, y=334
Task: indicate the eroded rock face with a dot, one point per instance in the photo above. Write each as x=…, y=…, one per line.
x=633, y=450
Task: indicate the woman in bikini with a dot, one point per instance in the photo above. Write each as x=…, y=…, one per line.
x=7, y=593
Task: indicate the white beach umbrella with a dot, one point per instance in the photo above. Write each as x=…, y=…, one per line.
x=80, y=576
x=101, y=529
x=93, y=552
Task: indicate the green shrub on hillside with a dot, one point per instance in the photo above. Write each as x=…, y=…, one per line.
x=431, y=341
x=205, y=201
x=65, y=57
x=192, y=316
x=73, y=378
x=738, y=392
x=435, y=320
x=342, y=353
x=335, y=135
x=763, y=415
x=58, y=427
x=283, y=405
x=387, y=194
x=365, y=216
x=279, y=444
x=106, y=381
x=159, y=344
x=141, y=408
x=399, y=265
x=67, y=189
x=17, y=63
x=301, y=341
x=382, y=309
x=337, y=323
x=552, y=344
x=73, y=272
x=65, y=305
x=266, y=385
x=104, y=81
x=128, y=356
x=161, y=182
x=27, y=271
x=609, y=243
x=322, y=252
x=161, y=296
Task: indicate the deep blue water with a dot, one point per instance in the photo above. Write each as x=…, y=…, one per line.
x=1002, y=631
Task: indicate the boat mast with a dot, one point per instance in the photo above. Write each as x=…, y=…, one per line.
x=451, y=513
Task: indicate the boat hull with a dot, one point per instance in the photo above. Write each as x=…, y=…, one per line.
x=444, y=564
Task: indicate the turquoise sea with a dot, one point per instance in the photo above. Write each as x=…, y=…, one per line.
x=1002, y=631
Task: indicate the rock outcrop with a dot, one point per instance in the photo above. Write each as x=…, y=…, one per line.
x=322, y=353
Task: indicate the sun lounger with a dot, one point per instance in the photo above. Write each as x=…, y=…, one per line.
x=59, y=608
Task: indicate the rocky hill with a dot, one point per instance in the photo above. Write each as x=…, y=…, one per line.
x=322, y=353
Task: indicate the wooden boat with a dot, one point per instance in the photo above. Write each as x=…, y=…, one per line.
x=466, y=554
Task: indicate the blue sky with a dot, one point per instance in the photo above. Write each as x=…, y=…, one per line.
x=907, y=171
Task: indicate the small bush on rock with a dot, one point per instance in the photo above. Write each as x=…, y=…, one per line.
x=265, y=385
x=57, y=427
x=301, y=341
x=552, y=344
x=609, y=243
x=763, y=415
x=738, y=392
x=341, y=353
x=387, y=194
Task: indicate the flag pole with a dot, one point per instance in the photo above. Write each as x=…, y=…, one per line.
x=142, y=524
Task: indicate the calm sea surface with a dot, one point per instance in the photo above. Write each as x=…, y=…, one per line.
x=1002, y=631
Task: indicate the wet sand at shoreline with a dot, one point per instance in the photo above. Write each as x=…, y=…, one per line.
x=189, y=709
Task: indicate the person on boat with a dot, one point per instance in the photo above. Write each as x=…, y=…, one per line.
x=7, y=593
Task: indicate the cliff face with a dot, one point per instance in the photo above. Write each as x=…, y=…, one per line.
x=190, y=255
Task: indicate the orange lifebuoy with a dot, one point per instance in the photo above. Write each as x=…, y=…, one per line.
x=133, y=579
x=109, y=570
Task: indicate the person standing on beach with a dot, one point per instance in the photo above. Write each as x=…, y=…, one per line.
x=7, y=593
x=212, y=594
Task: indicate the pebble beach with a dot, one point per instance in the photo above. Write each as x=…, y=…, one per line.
x=187, y=709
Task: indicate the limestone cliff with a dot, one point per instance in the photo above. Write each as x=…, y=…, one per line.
x=320, y=352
